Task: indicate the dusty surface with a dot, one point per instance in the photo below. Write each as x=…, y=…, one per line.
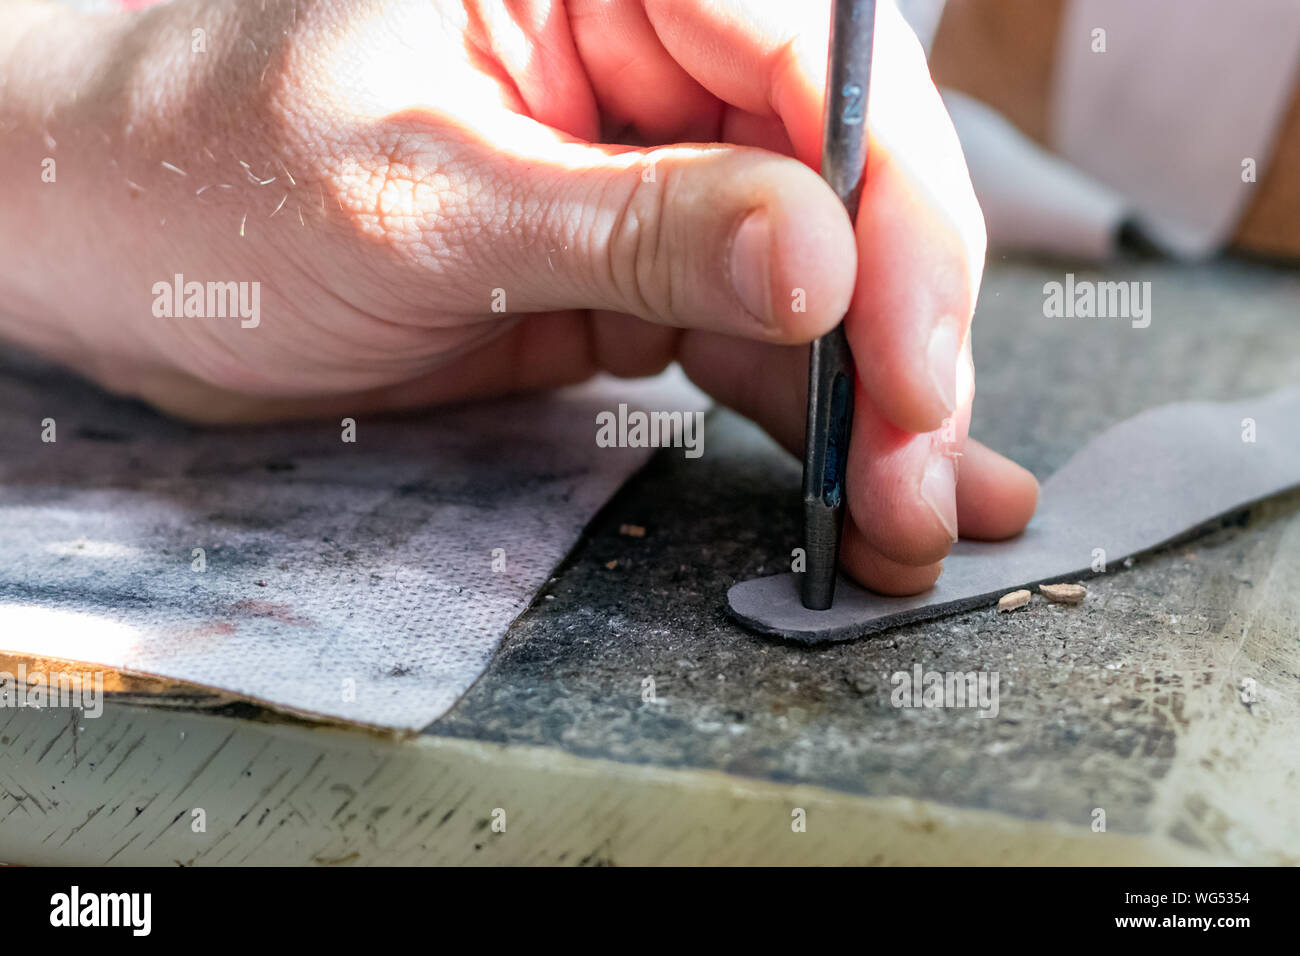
x=1131, y=703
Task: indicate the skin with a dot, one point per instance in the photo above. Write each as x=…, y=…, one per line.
x=635, y=177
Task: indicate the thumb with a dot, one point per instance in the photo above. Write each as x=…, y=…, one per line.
x=728, y=239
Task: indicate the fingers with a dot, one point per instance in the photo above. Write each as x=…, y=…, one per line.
x=909, y=494
x=894, y=543
x=902, y=486
x=767, y=384
x=872, y=569
x=723, y=238
x=921, y=246
x=920, y=230
x=533, y=44
x=637, y=83
x=995, y=496
x=715, y=237
x=768, y=59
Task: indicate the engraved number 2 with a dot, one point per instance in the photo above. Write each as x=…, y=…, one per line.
x=852, y=94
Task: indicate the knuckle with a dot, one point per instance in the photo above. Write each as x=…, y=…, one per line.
x=408, y=206
x=408, y=199
x=639, y=251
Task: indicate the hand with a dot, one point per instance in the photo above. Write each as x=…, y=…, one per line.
x=426, y=195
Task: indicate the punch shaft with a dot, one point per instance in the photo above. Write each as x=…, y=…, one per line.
x=831, y=375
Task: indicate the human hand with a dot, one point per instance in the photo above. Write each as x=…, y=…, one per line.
x=421, y=191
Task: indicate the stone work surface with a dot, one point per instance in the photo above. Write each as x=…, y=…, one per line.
x=1169, y=699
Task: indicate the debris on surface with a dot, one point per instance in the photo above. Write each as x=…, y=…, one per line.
x=612, y=564
x=1063, y=593
x=632, y=530
x=1009, y=602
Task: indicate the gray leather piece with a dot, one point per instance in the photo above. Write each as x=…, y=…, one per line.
x=1138, y=485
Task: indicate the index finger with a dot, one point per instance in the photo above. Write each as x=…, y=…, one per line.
x=920, y=231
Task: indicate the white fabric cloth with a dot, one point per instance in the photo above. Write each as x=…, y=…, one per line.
x=349, y=580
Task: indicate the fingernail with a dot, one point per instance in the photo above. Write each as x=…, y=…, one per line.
x=751, y=257
x=939, y=491
x=941, y=355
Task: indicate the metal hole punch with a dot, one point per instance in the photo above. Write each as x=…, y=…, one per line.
x=831, y=374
